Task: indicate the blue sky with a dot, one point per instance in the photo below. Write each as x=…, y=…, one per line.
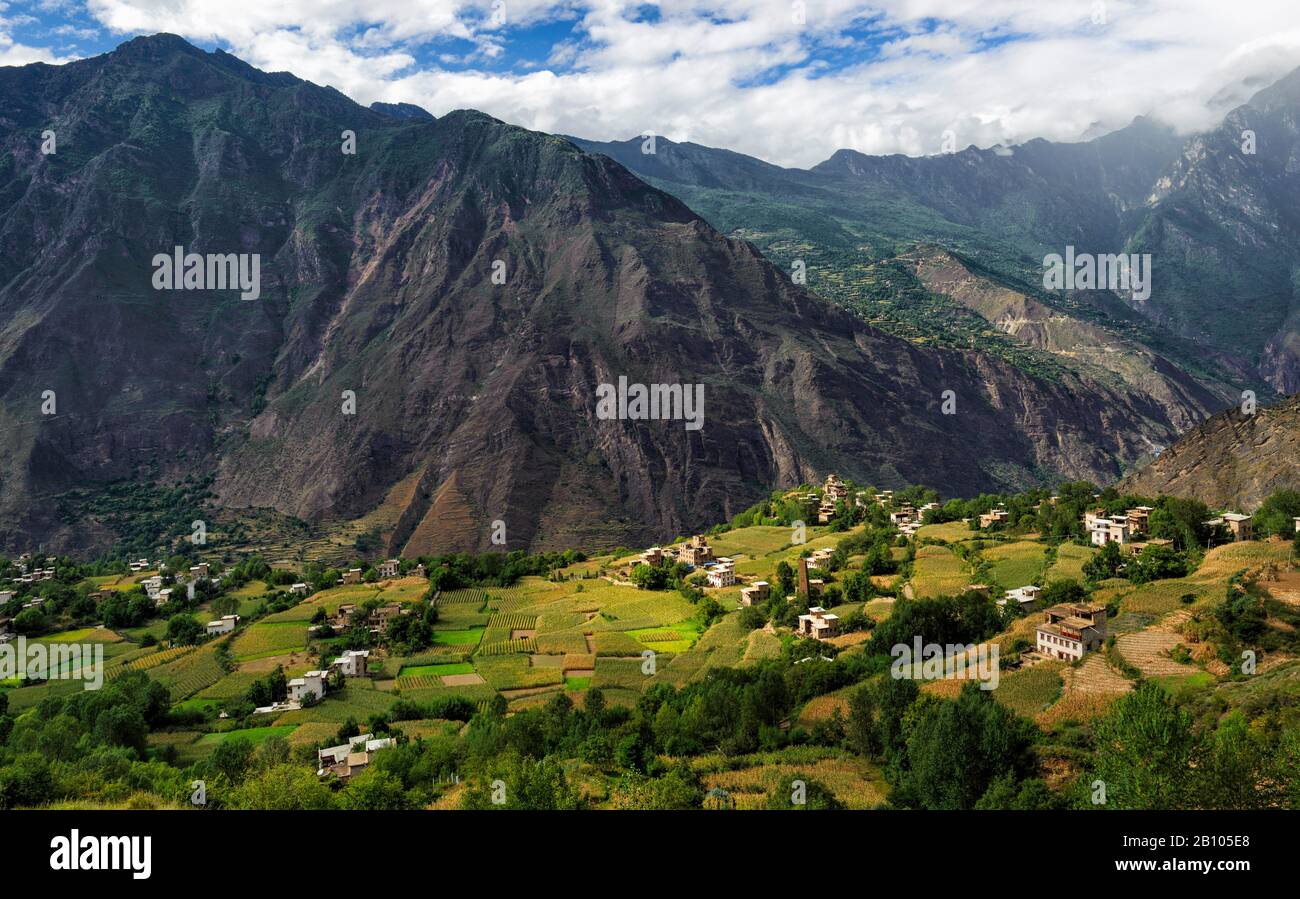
x=790, y=81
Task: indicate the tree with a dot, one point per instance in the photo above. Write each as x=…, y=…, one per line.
x=283, y=788
x=1106, y=563
x=1277, y=514
x=1143, y=749
x=1180, y=520
x=183, y=629
x=957, y=749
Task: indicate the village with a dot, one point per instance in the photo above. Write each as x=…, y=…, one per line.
x=822, y=566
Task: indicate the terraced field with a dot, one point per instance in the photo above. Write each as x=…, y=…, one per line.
x=1015, y=564
x=938, y=572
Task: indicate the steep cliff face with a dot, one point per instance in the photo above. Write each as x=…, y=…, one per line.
x=1231, y=460
x=436, y=313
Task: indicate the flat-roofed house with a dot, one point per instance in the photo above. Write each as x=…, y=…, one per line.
x=654, y=557
x=1071, y=630
x=313, y=682
x=696, y=551
x=388, y=569
x=353, y=663
x=300, y=589
x=1297, y=525
x=996, y=516
x=835, y=488
x=1021, y=595
x=380, y=617
x=819, y=624
x=352, y=576
x=1138, y=519
x=722, y=574
x=199, y=571
x=223, y=625
x=351, y=757
x=1240, y=526
x=755, y=593
x=1110, y=530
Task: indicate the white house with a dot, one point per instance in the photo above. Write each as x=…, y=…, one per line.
x=224, y=625
x=1072, y=630
x=152, y=585
x=819, y=623
x=1110, y=530
x=300, y=589
x=389, y=569
x=312, y=682
x=351, y=757
x=6, y=595
x=1021, y=595
x=723, y=574
x=353, y=663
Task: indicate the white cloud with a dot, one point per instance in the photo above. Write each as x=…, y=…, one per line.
x=703, y=70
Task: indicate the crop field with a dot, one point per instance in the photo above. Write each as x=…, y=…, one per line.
x=513, y=672
x=354, y=701
x=721, y=645
x=81, y=635
x=1070, y=558
x=938, y=572
x=513, y=621
x=506, y=647
x=154, y=659
x=462, y=637
x=750, y=779
x=561, y=642
x=1031, y=691
x=948, y=532
x=616, y=643
x=619, y=672
x=1016, y=564
x=232, y=686
x=269, y=639
x=752, y=541
x=300, y=613
x=190, y=673
x=255, y=735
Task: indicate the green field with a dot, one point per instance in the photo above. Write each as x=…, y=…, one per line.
x=938, y=572
x=1015, y=564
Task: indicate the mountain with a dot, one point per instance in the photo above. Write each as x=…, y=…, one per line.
x=1224, y=223
x=435, y=315
x=1219, y=223
x=402, y=110
x=1233, y=460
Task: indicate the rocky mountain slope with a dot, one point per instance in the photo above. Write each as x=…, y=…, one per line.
x=1215, y=211
x=436, y=313
x=1233, y=460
